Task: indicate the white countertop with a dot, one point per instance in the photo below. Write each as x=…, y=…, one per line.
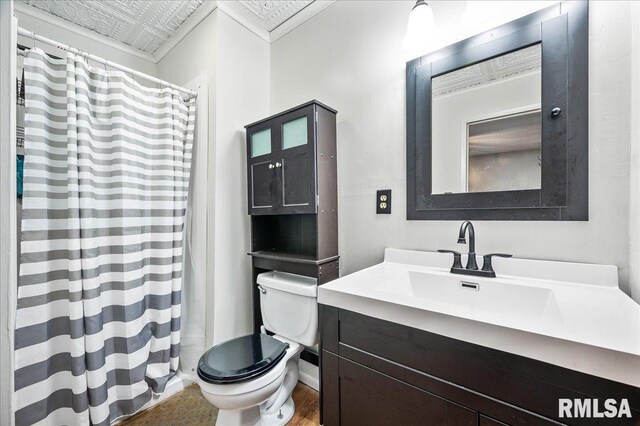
x=568, y=314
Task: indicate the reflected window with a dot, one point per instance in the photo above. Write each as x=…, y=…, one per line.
x=504, y=153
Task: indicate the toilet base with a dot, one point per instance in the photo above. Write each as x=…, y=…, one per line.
x=282, y=417
x=251, y=416
x=245, y=417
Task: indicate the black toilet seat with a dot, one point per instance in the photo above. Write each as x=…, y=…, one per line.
x=241, y=359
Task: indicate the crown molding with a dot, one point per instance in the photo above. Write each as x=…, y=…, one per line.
x=299, y=18
x=263, y=34
x=41, y=15
x=187, y=26
x=287, y=26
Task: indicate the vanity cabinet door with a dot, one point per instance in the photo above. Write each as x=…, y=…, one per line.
x=295, y=162
x=368, y=397
x=261, y=175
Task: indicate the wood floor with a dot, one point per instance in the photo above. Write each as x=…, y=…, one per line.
x=307, y=406
x=189, y=408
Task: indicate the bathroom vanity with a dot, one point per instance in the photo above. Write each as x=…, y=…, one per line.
x=407, y=342
x=497, y=129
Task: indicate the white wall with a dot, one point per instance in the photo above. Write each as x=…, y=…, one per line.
x=236, y=62
x=64, y=32
x=634, y=231
x=242, y=96
x=349, y=56
x=193, y=56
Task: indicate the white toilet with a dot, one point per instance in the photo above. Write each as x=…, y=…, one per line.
x=250, y=379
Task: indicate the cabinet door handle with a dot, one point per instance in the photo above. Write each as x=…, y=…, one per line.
x=278, y=164
x=271, y=166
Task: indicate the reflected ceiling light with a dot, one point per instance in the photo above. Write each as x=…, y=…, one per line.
x=420, y=27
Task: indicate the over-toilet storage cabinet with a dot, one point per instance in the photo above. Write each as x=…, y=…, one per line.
x=292, y=196
x=289, y=160
x=375, y=372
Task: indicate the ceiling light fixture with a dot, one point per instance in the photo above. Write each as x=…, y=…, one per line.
x=419, y=28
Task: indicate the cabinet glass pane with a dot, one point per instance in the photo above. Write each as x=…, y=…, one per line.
x=294, y=133
x=261, y=143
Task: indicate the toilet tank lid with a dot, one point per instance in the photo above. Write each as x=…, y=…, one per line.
x=290, y=283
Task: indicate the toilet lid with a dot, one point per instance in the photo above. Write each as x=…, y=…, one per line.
x=240, y=359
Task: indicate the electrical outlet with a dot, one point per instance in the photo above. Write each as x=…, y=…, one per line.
x=383, y=201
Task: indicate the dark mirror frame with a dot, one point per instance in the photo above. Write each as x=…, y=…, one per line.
x=562, y=30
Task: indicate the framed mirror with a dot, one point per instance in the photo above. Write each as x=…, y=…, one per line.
x=497, y=125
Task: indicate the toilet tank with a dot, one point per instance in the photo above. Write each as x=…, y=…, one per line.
x=288, y=306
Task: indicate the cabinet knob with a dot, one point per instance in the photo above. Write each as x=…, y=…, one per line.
x=278, y=164
x=271, y=166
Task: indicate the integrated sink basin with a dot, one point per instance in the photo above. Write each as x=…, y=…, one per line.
x=570, y=314
x=474, y=296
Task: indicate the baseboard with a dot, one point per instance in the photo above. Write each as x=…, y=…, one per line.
x=309, y=374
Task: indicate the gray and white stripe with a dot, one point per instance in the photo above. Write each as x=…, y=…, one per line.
x=106, y=177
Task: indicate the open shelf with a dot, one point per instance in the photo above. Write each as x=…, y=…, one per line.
x=291, y=257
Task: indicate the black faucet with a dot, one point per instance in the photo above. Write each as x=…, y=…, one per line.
x=472, y=265
x=471, y=259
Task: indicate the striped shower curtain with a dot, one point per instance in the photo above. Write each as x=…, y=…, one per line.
x=105, y=190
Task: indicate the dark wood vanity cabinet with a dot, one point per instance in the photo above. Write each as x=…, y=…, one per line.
x=369, y=397
x=284, y=159
x=375, y=372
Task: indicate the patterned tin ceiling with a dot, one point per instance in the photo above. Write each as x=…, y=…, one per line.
x=143, y=24
x=147, y=24
x=512, y=64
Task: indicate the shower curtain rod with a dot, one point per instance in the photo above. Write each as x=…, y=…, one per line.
x=35, y=37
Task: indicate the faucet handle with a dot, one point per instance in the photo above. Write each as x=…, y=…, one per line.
x=486, y=265
x=457, y=257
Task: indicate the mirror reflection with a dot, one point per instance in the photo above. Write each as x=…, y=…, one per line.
x=486, y=128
